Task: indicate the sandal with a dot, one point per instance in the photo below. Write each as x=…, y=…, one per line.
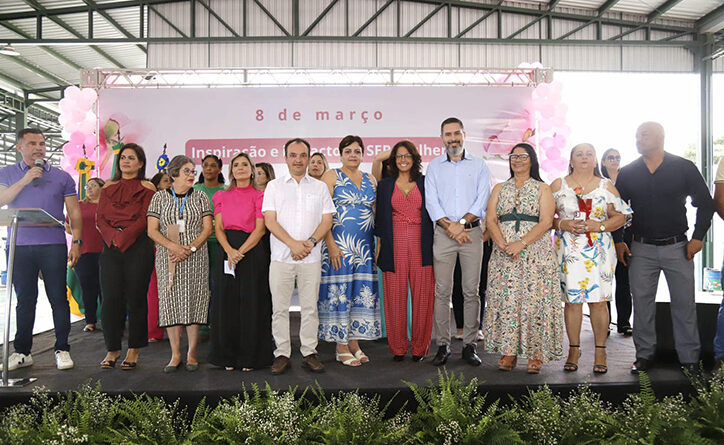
x=534, y=366
x=598, y=368
x=128, y=366
x=347, y=359
x=108, y=364
x=506, y=363
x=570, y=366
x=359, y=355
x=89, y=328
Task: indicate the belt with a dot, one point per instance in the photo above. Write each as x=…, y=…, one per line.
x=517, y=217
x=471, y=225
x=661, y=241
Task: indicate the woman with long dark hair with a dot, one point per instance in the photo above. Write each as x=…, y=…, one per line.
x=127, y=258
x=264, y=174
x=610, y=163
x=404, y=231
x=589, y=209
x=241, y=336
x=523, y=315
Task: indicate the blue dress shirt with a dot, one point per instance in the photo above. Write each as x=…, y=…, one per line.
x=456, y=188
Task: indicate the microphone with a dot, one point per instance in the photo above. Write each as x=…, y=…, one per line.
x=38, y=163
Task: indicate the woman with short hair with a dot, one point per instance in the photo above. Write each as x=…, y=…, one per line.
x=179, y=221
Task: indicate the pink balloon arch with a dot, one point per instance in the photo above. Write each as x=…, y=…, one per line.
x=80, y=127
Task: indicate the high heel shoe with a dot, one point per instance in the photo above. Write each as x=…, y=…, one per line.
x=534, y=366
x=599, y=368
x=570, y=366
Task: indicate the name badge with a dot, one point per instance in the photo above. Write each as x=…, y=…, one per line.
x=181, y=225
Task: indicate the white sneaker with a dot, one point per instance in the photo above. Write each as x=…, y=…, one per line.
x=17, y=360
x=63, y=360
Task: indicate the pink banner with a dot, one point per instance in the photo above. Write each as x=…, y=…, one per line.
x=271, y=150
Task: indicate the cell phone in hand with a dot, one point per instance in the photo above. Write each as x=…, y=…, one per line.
x=579, y=216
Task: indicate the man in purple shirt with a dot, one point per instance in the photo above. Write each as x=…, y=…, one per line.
x=40, y=249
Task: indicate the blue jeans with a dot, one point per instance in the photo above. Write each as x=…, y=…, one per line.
x=719, y=339
x=50, y=260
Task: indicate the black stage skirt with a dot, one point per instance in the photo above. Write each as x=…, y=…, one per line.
x=241, y=334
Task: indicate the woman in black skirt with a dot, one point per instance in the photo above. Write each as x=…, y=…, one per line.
x=241, y=335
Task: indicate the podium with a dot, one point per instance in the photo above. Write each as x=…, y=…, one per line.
x=16, y=218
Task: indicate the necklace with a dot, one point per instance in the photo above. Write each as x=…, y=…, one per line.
x=583, y=185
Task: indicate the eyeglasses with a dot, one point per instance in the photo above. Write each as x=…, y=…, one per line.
x=188, y=172
x=613, y=157
x=522, y=157
x=405, y=156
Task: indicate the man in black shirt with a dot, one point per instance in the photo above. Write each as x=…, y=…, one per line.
x=657, y=185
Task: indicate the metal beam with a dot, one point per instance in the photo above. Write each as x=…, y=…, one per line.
x=551, y=5
x=601, y=11
x=424, y=20
x=650, y=18
x=478, y=21
x=36, y=69
x=271, y=16
x=94, y=7
x=361, y=39
x=167, y=21
x=371, y=19
x=712, y=22
x=82, y=9
x=320, y=17
x=50, y=51
x=40, y=8
x=705, y=65
x=217, y=17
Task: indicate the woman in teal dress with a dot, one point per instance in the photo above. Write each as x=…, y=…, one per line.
x=348, y=304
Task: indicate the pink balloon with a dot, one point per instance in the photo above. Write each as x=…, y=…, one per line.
x=77, y=115
x=543, y=90
x=553, y=153
x=90, y=142
x=71, y=127
x=555, y=90
x=87, y=126
x=63, y=119
x=89, y=95
x=547, y=110
x=77, y=138
x=545, y=125
x=558, y=121
x=563, y=131
x=65, y=105
x=547, y=143
x=72, y=93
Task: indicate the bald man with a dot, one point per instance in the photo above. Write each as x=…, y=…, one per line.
x=657, y=185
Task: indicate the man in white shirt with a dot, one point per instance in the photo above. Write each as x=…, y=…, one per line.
x=298, y=212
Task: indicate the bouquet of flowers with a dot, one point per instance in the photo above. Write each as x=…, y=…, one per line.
x=584, y=205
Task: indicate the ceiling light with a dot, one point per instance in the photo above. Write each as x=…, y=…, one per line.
x=8, y=50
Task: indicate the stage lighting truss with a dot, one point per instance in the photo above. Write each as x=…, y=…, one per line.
x=266, y=77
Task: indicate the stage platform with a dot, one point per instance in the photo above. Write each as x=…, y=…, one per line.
x=381, y=376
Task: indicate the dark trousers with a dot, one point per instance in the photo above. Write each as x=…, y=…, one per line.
x=124, y=283
x=623, y=298
x=457, y=294
x=50, y=260
x=88, y=271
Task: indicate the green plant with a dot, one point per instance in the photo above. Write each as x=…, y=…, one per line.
x=454, y=413
x=148, y=420
x=258, y=417
x=644, y=420
x=351, y=418
x=707, y=407
x=538, y=417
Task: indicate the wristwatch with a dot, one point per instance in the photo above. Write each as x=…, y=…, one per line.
x=193, y=249
x=313, y=240
x=602, y=228
x=463, y=221
x=78, y=242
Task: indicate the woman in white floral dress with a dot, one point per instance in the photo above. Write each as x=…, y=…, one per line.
x=348, y=304
x=589, y=209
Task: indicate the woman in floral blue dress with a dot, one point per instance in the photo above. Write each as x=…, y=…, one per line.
x=348, y=304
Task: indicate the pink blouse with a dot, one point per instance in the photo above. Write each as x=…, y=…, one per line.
x=239, y=207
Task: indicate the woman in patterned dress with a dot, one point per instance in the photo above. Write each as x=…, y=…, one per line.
x=589, y=209
x=184, y=301
x=523, y=314
x=348, y=304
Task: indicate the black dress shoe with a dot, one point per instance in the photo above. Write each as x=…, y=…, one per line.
x=641, y=364
x=443, y=352
x=398, y=358
x=418, y=358
x=470, y=356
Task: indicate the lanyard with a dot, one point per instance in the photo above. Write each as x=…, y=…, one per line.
x=180, y=206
